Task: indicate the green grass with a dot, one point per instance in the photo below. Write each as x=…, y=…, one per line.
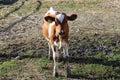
x=91, y=4
x=20, y=8
x=91, y=70
x=116, y=50
x=27, y=8
x=58, y=78
x=70, y=5
x=67, y=5
x=106, y=67
x=11, y=9
x=100, y=66
x=107, y=41
x=8, y=67
x=28, y=53
x=42, y=64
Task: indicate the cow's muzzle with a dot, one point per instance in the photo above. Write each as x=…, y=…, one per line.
x=62, y=33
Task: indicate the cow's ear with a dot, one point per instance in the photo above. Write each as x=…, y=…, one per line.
x=49, y=19
x=72, y=17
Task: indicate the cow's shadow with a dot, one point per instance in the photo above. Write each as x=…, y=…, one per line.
x=94, y=60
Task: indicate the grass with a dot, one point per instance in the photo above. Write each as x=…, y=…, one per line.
x=28, y=52
x=26, y=9
x=98, y=67
x=68, y=5
x=91, y=70
x=33, y=65
x=42, y=64
x=107, y=41
x=116, y=50
x=8, y=67
x=90, y=4
x=20, y=8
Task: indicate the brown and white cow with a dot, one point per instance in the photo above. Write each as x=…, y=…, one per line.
x=56, y=31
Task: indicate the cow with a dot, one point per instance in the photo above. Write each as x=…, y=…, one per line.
x=56, y=31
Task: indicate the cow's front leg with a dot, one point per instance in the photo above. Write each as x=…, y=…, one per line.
x=55, y=58
x=49, y=53
x=66, y=58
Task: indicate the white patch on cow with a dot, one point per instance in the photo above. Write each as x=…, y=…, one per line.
x=55, y=55
x=55, y=43
x=60, y=17
x=50, y=28
x=60, y=45
x=51, y=11
x=47, y=39
x=65, y=51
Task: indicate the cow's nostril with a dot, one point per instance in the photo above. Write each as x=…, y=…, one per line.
x=62, y=33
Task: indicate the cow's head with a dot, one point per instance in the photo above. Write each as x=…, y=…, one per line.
x=59, y=18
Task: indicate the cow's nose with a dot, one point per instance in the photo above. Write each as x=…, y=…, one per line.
x=62, y=33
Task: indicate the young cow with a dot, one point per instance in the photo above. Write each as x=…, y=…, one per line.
x=56, y=32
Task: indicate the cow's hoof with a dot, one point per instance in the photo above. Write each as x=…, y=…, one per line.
x=55, y=74
x=68, y=75
x=68, y=72
x=50, y=58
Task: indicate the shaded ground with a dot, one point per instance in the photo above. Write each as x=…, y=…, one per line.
x=96, y=31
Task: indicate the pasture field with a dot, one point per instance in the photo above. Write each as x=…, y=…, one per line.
x=94, y=40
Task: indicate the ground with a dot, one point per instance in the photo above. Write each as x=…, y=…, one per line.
x=94, y=40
